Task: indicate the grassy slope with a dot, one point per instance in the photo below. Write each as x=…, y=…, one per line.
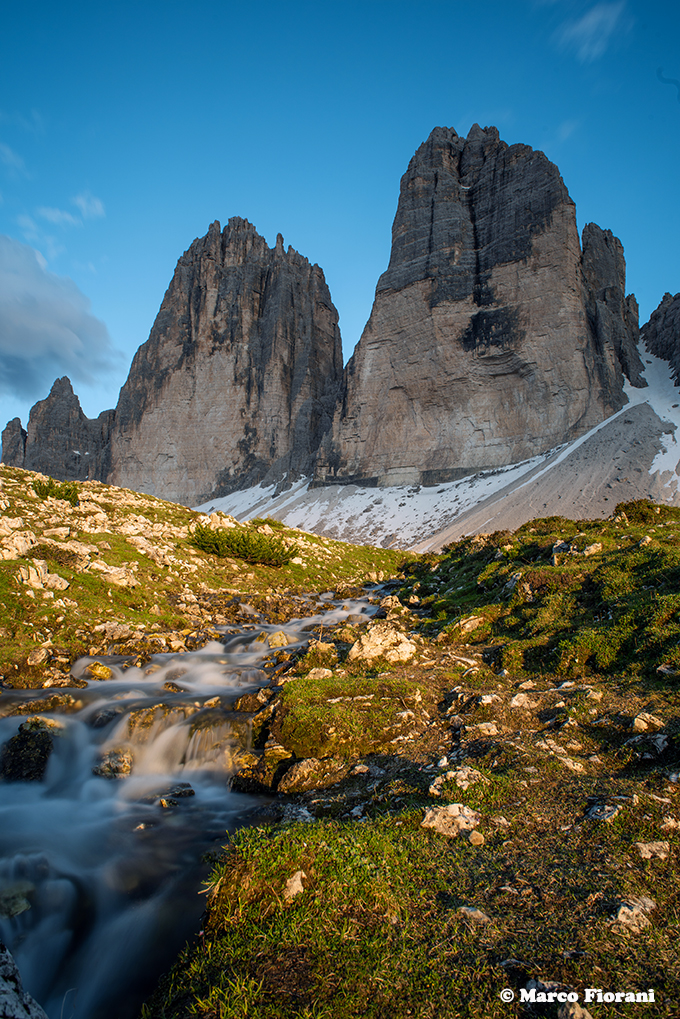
x=378, y=929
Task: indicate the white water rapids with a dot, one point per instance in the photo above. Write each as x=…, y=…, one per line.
x=107, y=875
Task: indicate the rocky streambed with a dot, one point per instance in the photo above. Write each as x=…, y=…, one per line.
x=112, y=797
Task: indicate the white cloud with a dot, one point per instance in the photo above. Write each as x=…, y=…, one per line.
x=58, y=216
x=46, y=327
x=591, y=35
x=90, y=206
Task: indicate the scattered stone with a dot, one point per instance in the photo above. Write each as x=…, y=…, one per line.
x=644, y=721
x=464, y=777
x=484, y=728
x=39, y=656
x=633, y=913
x=474, y=914
x=650, y=850
x=319, y=673
x=593, y=549
x=521, y=700
x=451, y=820
x=469, y=624
x=476, y=838
x=294, y=885
x=602, y=812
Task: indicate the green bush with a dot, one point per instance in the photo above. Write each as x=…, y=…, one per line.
x=244, y=543
x=67, y=490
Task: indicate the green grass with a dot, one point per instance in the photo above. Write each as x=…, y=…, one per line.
x=310, y=726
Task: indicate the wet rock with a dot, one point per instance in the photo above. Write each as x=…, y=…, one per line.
x=24, y=757
x=13, y=899
x=451, y=820
x=15, y=1002
x=313, y=774
x=115, y=763
x=99, y=671
x=382, y=640
x=279, y=639
x=262, y=772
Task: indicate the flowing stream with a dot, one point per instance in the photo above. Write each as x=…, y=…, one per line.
x=99, y=877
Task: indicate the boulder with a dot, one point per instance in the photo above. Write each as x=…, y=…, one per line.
x=15, y=1002
x=382, y=640
x=24, y=757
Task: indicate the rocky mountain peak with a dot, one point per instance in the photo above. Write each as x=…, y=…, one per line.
x=481, y=348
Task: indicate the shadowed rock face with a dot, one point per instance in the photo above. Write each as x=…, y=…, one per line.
x=612, y=317
x=60, y=440
x=480, y=349
x=238, y=379
x=662, y=333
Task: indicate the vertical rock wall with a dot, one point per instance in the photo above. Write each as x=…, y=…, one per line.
x=238, y=380
x=662, y=333
x=479, y=350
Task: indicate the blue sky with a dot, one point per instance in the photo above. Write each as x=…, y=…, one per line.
x=127, y=128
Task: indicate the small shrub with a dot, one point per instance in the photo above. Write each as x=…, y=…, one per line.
x=276, y=525
x=67, y=490
x=243, y=543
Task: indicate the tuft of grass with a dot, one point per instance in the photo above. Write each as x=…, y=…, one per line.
x=244, y=543
x=67, y=490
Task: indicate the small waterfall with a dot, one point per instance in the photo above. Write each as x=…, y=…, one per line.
x=101, y=860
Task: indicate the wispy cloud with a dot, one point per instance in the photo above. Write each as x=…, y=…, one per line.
x=46, y=327
x=591, y=35
x=90, y=206
x=58, y=216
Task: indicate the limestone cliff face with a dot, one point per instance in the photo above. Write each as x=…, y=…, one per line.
x=238, y=380
x=480, y=350
x=60, y=440
x=662, y=333
x=612, y=317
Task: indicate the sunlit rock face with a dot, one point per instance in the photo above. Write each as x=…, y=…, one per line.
x=60, y=440
x=490, y=339
x=239, y=377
